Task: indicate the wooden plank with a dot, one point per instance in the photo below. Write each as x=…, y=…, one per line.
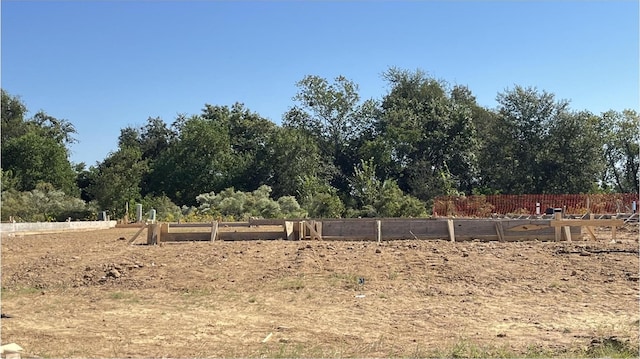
x=500, y=231
x=313, y=230
x=152, y=233
x=214, y=230
x=164, y=231
x=288, y=229
x=186, y=237
x=567, y=233
x=208, y=224
x=452, y=235
x=243, y=236
x=586, y=222
x=301, y=230
x=558, y=230
x=591, y=232
x=528, y=227
x=379, y=231
x=133, y=239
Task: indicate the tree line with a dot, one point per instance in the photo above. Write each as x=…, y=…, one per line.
x=333, y=155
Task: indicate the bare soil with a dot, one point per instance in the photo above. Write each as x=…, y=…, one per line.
x=89, y=294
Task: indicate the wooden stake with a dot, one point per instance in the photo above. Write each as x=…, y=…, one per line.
x=558, y=217
x=288, y=230
x=500, y=231
x=137, y=234
x=214, y=230
x=452, y=235
x=378, y=231
x=567, y=233
x=152, y=233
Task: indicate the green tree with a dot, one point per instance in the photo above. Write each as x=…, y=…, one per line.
x=515, y=160
x=117, y=180
x=572, y=160
x=331, y=113
x=13, y=121
x=198, y=161
x=426, y=130
x=621, y=151
x=35, y=150
x=249, y=134
x=291, y=154
x=34, y=158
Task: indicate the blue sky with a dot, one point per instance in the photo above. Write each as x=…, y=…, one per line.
x=107, y=65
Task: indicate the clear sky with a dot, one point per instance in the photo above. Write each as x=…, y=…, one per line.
x=107, y=65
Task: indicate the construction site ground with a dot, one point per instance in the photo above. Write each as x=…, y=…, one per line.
x=90, y=294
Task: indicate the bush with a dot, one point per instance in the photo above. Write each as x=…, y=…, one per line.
x=230, y=204
x=44, y=204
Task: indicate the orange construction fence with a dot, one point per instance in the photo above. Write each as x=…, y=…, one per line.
x=485, y=206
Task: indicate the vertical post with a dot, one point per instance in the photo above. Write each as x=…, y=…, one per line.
x=634, y=206
x=379, y=231
x=152, y=215
x=288, y=230
x=214, y=230
x=126, y=212
x=301, y=229
x=452, y=235
x=558, y=217
x=152, y=234
x=164, y=233
x=537, y=208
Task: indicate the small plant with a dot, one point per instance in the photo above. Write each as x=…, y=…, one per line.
x=293, y=284
x=124, y=296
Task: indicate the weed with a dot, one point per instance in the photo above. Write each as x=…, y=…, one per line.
x=611, y=347
x=129, y=297
x=293, y=284
x=18, y=292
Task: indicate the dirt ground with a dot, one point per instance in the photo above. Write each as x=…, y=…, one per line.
x=89, y=294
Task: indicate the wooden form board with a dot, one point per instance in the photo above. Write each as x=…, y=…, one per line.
x=375, y=229
x=452, y=229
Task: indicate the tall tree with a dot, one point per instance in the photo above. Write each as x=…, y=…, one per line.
x=35, y=150
x=117, y=180
x=331, y=113
x=515, y=162
x=199, y=161
x=292, y=154
x=621, y=150
x=428, y=133
x=572, y=160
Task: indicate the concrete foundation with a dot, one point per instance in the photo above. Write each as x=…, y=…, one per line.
x=51, y=227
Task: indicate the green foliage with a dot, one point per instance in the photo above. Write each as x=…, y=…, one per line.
x=44, y=204
x=291, y=152
x=621, y=152
x=320, y=199
x=117, y=180
x=333, y=117
x=236, y=205
x=166, y=210
x=426, y=128
x=34, y=150
x=34, y=158
x=376, y=198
